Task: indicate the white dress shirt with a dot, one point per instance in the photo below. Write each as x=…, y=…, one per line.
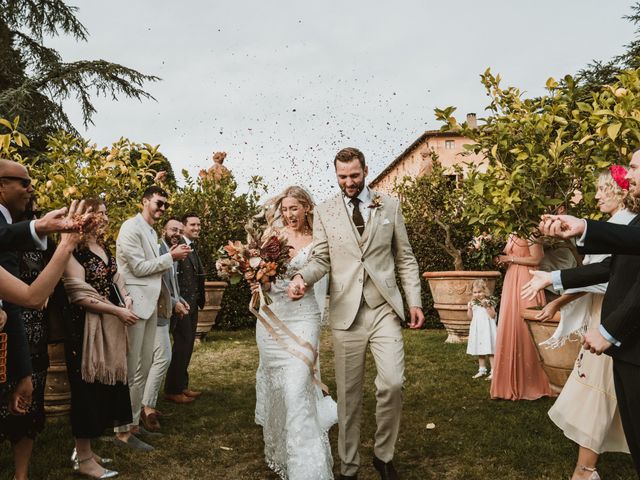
x=365, y=201
x=41, y=242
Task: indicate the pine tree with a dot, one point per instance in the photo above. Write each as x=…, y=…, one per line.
x=599, y=73
x=34, y=79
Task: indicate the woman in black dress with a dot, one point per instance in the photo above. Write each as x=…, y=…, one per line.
x=21, y=430
x=94, y=406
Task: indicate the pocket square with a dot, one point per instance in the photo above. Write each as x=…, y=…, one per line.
x=386, y=221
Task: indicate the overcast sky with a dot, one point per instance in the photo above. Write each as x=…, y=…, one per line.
x=283, y=85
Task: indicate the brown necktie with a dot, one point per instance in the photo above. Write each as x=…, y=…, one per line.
x=358, y=221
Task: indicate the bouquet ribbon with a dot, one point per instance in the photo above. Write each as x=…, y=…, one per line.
x=257, y=300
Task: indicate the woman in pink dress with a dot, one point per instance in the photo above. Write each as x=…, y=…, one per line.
x=517, y=373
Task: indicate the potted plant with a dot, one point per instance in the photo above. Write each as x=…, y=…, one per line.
x=543, y=153
x=442, y=237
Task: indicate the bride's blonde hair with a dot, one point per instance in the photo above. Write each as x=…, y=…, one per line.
x=273, y=206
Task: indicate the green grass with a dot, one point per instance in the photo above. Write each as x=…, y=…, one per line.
x=474, y=438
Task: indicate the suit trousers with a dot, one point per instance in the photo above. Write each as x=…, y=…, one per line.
x=184, y=335
x=142, y=339
x=379, y=328
x=626, y=378
x=159, y=366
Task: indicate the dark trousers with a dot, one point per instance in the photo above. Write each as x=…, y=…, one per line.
x=626, y=377
x=184, y=335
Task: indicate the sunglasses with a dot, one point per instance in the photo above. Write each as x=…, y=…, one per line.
x=25, y=182
x=161, y=204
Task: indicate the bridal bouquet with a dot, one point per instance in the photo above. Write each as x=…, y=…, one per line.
x=263, y=258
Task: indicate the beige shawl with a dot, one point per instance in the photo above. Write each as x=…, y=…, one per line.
x=104, y=346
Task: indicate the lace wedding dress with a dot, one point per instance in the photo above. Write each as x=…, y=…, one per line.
x=290, y=407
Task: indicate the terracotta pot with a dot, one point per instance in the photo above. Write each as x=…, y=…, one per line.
x=57, y=392
x=213, y=292
x=556, y=362
x=451, y=292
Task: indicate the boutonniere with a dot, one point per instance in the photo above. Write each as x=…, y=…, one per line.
x=376, y=202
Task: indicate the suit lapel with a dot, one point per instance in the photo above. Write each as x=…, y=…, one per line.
x=144, y=226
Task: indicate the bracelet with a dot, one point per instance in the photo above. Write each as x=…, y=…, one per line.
x=512, y=259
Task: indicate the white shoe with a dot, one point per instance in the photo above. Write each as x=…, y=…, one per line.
x=481, y=373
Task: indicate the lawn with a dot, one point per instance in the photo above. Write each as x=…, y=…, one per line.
x=215, y=437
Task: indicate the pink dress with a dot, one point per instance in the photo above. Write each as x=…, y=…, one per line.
x=517, y=373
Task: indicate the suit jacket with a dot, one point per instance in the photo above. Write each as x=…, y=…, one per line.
x=621, y=304
x=169, y=291
x=14, y=238
x=140, y=264
x=383, y=248
x=191, y=279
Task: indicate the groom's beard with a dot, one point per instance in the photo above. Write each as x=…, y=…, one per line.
x=359, y=187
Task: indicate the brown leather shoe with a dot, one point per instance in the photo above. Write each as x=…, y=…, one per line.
x=150, y=421
x=179, y=398
x=386, y=470
x=191, y=393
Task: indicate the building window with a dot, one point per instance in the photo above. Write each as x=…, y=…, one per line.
x=452, y=181
x=449, y=144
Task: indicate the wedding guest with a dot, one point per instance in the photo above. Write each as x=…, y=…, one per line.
x=16, y=191
x=481, y=310
x=95, y=348
x=586, y=409
x=142, y=267
x=21, y=430
x=170, y=302
x=191, y=283
x=517, y=373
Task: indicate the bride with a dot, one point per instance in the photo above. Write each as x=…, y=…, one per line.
x=290, y=405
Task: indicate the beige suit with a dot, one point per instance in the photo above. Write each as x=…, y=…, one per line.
x=141, y=267
x=365, y=309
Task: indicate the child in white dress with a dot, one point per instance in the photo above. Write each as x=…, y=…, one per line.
x=481, y=310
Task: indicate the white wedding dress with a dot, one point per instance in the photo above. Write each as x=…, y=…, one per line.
x=290, y=407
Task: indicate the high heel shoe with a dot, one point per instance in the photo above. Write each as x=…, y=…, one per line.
x=594, y=473
x=106, y=474
x=102, y=461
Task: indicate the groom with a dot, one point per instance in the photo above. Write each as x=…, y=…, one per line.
x=359, y=235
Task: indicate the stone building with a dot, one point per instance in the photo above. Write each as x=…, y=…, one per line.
x=416, y=159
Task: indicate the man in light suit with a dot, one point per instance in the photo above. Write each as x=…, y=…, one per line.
x=360, y=237
x=141, y=267
x=169, y=303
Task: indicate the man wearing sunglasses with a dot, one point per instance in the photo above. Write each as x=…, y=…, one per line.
x=16, y=191
x=142, y=267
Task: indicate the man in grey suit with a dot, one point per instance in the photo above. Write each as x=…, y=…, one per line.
x=169, y=303
x=141, y=267
x=360, y=238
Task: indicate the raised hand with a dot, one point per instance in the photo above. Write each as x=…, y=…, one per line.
x=547, y=312
x=180, y=252
x=539, y=281
x=561, y=226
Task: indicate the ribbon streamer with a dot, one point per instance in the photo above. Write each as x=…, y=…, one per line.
x=257, y=300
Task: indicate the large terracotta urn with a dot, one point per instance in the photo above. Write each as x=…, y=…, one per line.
x=213, y=292
x=556, y=362
x=57, y=393
x=451, y=292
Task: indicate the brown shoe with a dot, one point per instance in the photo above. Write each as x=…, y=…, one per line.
x=150, y=421
x=191, y=393
x=179, y=398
